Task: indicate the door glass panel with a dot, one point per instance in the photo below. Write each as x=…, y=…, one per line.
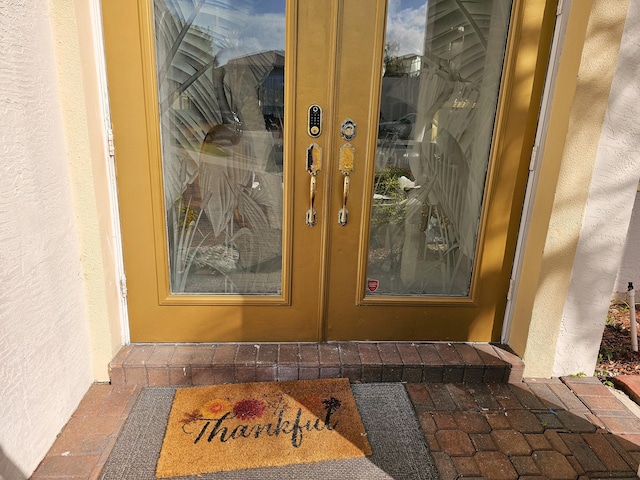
x=220, y=70
x=442, y=69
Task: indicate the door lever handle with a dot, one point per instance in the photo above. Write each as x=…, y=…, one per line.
x=314, y=165
x=345, y=165
x=343, y=213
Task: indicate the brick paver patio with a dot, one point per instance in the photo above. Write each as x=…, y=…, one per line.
x=479, y=418
x=535, y=429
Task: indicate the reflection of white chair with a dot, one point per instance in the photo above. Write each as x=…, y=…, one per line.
x=443, y=204
x=448, y=174
x=245, y=202
x=440, y=236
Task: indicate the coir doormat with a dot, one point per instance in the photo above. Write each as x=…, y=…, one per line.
x=398, y=445
x=240, y=426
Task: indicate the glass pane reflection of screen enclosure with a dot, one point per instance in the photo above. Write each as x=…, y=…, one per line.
x=442, y=68
x=220, y=68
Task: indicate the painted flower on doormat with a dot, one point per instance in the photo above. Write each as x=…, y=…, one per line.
x=251, y=425
x=217, y=414
x=215, y=408
x=245, y=409
x=331, y=404
x=249, y=408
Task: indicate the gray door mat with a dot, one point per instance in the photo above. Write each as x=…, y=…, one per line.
x=398, y=445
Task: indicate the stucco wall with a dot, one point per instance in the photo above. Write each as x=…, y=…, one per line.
x=594, y=193
x=82, y=85
x=608, y=209
x=530, y=327
x=45, y=357
x=629, y=270
x=572, y=190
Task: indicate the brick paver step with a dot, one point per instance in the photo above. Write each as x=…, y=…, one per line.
x=201, y=364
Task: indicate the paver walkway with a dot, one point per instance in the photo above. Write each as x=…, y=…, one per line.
x=479, y=418
x=569, y=428
x=559, y=429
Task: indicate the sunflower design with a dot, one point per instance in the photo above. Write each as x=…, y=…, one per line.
x=215, y=408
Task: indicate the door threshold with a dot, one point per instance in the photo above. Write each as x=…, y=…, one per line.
x=190, y=364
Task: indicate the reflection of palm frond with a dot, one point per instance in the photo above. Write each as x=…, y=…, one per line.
x=264, y=243
x=182, y=49
x=220, y=209
x=241, y=197
x=183, y=229
x=251, y=213
x=178, y=38
x=224, y=174
x=180, y=89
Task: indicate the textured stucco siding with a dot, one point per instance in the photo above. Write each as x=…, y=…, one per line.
x=45, y=358
x=607, y=211
x=594, y=194
x=77, y=34
x=629, y=270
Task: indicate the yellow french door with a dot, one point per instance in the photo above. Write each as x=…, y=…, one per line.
x=321, y=170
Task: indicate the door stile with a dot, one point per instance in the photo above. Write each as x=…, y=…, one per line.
x=152, y=113
x=315, y=79
x=359, y=76
x=370, y=151
x=329, y=219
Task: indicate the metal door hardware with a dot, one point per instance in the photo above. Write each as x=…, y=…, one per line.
x=345, y=165
x=348, y=130
x=314, y=121
x=314, y=165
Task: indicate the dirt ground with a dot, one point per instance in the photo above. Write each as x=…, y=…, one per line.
x=616, y=355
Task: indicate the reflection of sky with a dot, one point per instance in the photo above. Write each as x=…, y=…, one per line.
x=268, y=6
x=241, y=27
x=405, y=26
x=244, y=27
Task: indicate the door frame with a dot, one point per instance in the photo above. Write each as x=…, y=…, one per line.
x=522, y=80
x=513, y=44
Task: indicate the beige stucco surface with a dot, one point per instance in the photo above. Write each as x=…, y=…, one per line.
x=608, y=208
x=78, y=60
x=61, y=311
x=45, y=355
x=629, y=269
x=573, y=285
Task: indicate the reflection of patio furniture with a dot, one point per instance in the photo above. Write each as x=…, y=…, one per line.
x=393, y=152
x=440, y=237
x=400, y=128
x=445, y=206
x=245, y=201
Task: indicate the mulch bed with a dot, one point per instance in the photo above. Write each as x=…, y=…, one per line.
x=616, y=355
